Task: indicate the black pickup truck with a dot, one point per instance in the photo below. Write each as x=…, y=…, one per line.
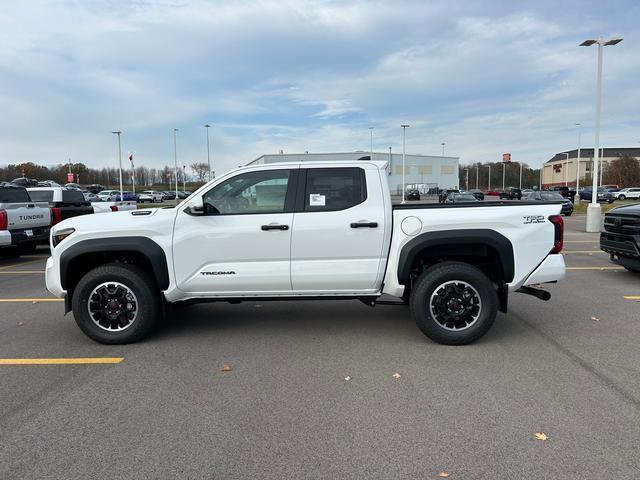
x=620, y=237
x=65, y=203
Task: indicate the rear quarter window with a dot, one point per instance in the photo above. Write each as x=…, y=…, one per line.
x=331, y=189
x=72, y=196
x=41, y=195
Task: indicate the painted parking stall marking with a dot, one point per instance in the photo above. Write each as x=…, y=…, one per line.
x=61, y=361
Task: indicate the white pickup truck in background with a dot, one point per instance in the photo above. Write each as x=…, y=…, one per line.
x=312, y=230
x=23, y=223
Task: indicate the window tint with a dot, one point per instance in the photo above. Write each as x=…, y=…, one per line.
x=251, y=192
x=13, y=195
x=329, y=189
x=41, y=195
x=72, y=196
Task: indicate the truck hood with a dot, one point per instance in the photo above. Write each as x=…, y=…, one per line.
x=632, y=210
x=112, y=224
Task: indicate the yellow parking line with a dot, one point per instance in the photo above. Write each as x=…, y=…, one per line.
x=17, y=272
x=631, y=297
x=594, y=268
x=19, y=264
x=573, y=251
x=59, y=361
x=31, y=300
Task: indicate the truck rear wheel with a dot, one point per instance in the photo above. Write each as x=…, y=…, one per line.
x=454, y=303
x=116, y=304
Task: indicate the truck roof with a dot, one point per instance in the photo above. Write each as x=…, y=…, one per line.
x=380, y=164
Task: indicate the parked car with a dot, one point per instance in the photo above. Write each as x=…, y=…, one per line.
x=168, y=195
x=620, y=236
x=24, y=182
x=91, y=197
x=565, y=191
x=460, y=198
x=95, y=188
x=632, y=192
x=348, y=241
x=492, y=193
x=127, y=196
x=526, y=192
x=150, y=196
x=603, y=195
x=511, y=193
x=23, y=222
x=546, y=196
x=443, y=194
x=183, y=195
x=73, y=186
x=64, y=202
x=477, y=193
x=108, y=195
x=411, y=194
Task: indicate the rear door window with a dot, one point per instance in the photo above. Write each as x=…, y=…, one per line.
x=331, y=189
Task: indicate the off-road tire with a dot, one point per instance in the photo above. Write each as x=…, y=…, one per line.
x=442, y=274
x=141, y=284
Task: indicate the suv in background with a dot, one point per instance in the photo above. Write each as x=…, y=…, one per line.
x=511, y=193
x=566, y=192
x=633, y=192
x=411, y=194
x=620, y=236
x=603, y=194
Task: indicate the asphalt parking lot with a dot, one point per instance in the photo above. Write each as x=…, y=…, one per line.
x=568, y=368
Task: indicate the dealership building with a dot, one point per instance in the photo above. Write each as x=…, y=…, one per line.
x=424, y=172
x=563, y=167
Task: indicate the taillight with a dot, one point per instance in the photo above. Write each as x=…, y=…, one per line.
x=114, y=208
x=4, y=220
x=56, y=215
x=558, y=238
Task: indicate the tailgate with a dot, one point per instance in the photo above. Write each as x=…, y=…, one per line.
x=22, y=216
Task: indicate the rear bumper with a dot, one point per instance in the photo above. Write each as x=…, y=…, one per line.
x=551, y=269
x=15, y=238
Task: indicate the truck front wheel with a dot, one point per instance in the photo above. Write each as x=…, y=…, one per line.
x=116, y=304
x=454, y=303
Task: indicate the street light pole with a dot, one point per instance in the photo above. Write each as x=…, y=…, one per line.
x=175, y=158
x=390, y=162
x=489, y=186
x=504, y=170
x=477, y=170
x=184, y=179
x=206, y=126
x=566, y=170
x=593, y=210
x=443, y=144
x=119, y=160
x=576, y=199
x=467, y=179
x=371, y=144
x=520, y=176
x=601, y=164
x=404, y=129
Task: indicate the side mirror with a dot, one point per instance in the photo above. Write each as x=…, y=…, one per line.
x=195, y=207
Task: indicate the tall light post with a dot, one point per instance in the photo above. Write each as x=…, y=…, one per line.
x=504, y=171
x=593, y=210
x=576, y=199
x=184, y=179
x=443, y=144
x=119, y=160
x=390, y=162
x=206, y=126
x=520, y=176
x=467, y=179
x=175, y=158
x=566, y=170
x=489, y=186
x=371, y=144
x=404, y=129
x=477, y=173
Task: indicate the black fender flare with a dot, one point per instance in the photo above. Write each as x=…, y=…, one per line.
x=142, y=245
x=449, y=238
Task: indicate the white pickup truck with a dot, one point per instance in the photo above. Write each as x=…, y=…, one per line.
x=23, y=222
x=290, y=231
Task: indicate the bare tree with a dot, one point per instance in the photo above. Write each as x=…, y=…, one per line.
x=201, y=170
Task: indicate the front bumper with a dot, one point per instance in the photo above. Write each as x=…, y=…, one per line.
x=52, y=279
x=551, y=269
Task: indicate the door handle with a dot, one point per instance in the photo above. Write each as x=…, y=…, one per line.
x=274, y=227
x=364, y=224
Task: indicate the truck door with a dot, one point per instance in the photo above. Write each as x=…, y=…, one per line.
x=241, y=245
x=338, y=231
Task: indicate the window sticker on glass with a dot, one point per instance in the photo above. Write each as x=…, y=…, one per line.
x=316, y=200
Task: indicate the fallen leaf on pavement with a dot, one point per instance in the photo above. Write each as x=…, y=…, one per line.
x=20, y=324
x=226, y=368
x=443, y=474
x=595, y=319
x=396, y=375
x=541, y=436
x=347, y=378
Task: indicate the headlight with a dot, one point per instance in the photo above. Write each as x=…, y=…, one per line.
x=61, y=235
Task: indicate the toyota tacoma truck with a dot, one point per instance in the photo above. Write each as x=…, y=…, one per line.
x=23, y=223
x=620, y=237
x=312, y=230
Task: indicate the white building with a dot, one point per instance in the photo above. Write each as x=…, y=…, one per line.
x=424, y=172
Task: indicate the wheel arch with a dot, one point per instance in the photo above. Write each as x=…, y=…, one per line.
x=457, y=244
x=88, y=254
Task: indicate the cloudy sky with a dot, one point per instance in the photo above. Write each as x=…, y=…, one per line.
x=486, y=77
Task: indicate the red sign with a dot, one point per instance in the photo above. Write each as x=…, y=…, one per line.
x=70, y=177
x=506, y=157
